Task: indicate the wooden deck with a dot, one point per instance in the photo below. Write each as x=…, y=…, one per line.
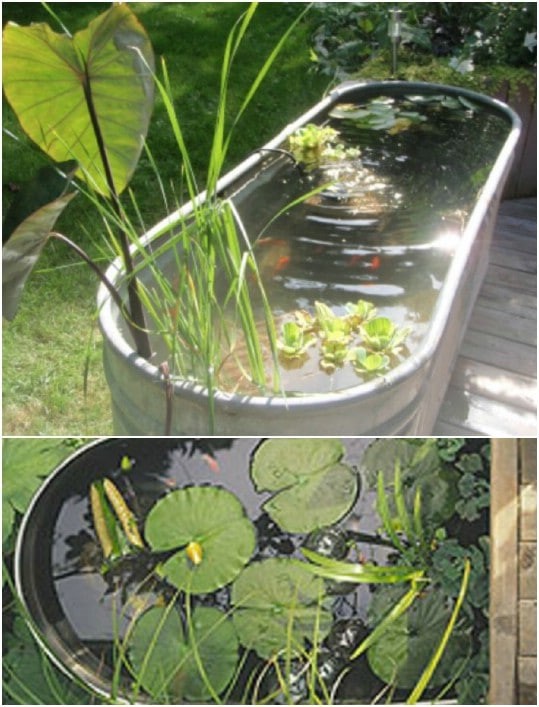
x=513, y=573
x=494, y=385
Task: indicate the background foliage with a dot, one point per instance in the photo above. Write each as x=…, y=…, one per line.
x=479, y=33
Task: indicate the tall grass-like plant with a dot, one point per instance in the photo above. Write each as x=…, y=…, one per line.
x=87, y=99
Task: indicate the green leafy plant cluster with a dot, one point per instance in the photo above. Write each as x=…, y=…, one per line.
x=314, y=145
x=417, y=500
x=360, y=337
x=345, y=34
x=462, y=35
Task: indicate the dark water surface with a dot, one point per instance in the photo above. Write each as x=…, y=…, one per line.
x=90, y=601
x=384, y=230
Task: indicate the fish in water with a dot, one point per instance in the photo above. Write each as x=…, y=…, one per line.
x=212, y=463
x=273, y=256
x=356, y=259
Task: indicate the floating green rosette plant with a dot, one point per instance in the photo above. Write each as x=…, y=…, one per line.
x=311, y=487
x=383, y=336
x=277, y=605
x=167, y=661
x=213, y=537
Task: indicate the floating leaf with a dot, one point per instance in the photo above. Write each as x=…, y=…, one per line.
x=382, y=454
x=382, y=335
x=401, y=653
x=312, y=489
x=164, y=659
x=215, y=520
x=349, y=111
x=61, y=86
x=278, y=600
x=379, y=114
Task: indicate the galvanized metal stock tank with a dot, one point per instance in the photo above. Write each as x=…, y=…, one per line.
x=403, y=402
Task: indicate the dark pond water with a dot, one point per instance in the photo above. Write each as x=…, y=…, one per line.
x=384, y=230
x=383, y=227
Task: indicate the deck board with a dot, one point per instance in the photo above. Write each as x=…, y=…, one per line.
x=493, y=390
x=513, y=572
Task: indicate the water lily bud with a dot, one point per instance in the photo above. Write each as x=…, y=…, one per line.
x=194, y=552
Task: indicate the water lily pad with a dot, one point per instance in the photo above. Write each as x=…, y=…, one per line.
x=311, y=487
x=163, y=657
x=277, y=601
x=213, y=518
x=405, y=648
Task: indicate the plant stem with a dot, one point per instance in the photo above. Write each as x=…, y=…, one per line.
x=100, y=274
x=139, y=332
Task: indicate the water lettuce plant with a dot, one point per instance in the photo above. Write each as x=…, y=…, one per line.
x=294, y=341
x=315, y=145
x=357, y=337
x=382, y=335
x=368, y=363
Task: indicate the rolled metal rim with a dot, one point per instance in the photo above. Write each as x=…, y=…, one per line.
x=64, y=659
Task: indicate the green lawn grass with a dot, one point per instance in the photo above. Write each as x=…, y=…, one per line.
x=53, y=382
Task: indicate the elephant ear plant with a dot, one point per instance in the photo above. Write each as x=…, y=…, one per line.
x=86, y=98
x=86, y=101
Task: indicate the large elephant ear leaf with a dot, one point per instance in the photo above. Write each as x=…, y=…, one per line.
x=79, y=97
x=26, y=228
